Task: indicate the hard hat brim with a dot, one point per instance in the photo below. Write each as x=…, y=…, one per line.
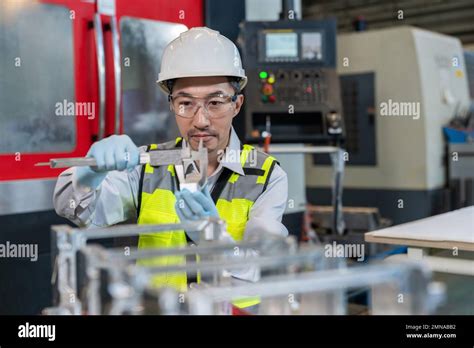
x=164, y=87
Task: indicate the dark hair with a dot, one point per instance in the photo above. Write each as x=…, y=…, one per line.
x=233, y=81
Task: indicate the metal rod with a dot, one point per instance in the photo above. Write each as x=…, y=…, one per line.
x=260, y=261
x=320, y=281
x=215, y=246
x=117, y=71
x=99, y=41
x=134, y=230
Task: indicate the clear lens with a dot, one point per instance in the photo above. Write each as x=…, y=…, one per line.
x=215, y=106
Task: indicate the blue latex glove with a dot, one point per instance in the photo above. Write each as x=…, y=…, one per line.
x=195, y=205
x=117, y=152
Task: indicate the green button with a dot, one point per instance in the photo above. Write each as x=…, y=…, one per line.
x=263, y=74
x=264, y=98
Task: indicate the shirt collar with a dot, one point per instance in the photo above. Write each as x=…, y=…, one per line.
x=231, y=158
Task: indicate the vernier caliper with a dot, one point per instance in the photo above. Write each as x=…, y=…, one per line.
x=191, y=175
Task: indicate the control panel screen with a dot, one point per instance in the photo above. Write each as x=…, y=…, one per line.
x=281, y=45
x=311, y=46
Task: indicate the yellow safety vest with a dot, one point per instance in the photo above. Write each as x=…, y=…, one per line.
x=157, y=206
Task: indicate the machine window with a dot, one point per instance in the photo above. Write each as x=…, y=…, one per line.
x=146, y=114
x=36, y=78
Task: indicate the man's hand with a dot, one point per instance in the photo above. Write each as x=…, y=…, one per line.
x=117, y=152
x=195, y=205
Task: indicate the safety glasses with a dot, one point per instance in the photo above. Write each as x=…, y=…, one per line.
x=215, y=105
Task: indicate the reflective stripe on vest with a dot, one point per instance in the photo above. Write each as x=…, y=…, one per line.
x=157, y=206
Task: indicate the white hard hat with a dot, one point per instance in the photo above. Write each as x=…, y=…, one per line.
x=198, y=52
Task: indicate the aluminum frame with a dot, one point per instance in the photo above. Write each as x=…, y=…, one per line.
x=68, y=241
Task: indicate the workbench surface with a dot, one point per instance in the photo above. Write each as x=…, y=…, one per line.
x=454, y=229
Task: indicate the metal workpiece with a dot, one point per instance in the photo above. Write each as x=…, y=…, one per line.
x=215, y=273
x=292, y=280
x=212, y=227
x=63, y=279
x=313, y=258
x=68, y=241
x=411, y=280
x=268, y=245
x=120, y=272
x=128, y=283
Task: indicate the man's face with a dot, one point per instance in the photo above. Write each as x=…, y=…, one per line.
x=213, y=132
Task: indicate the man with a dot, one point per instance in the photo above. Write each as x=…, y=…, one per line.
x=202, y=74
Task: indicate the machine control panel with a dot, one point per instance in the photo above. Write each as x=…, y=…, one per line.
x=292, y=86
x=293, y=89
